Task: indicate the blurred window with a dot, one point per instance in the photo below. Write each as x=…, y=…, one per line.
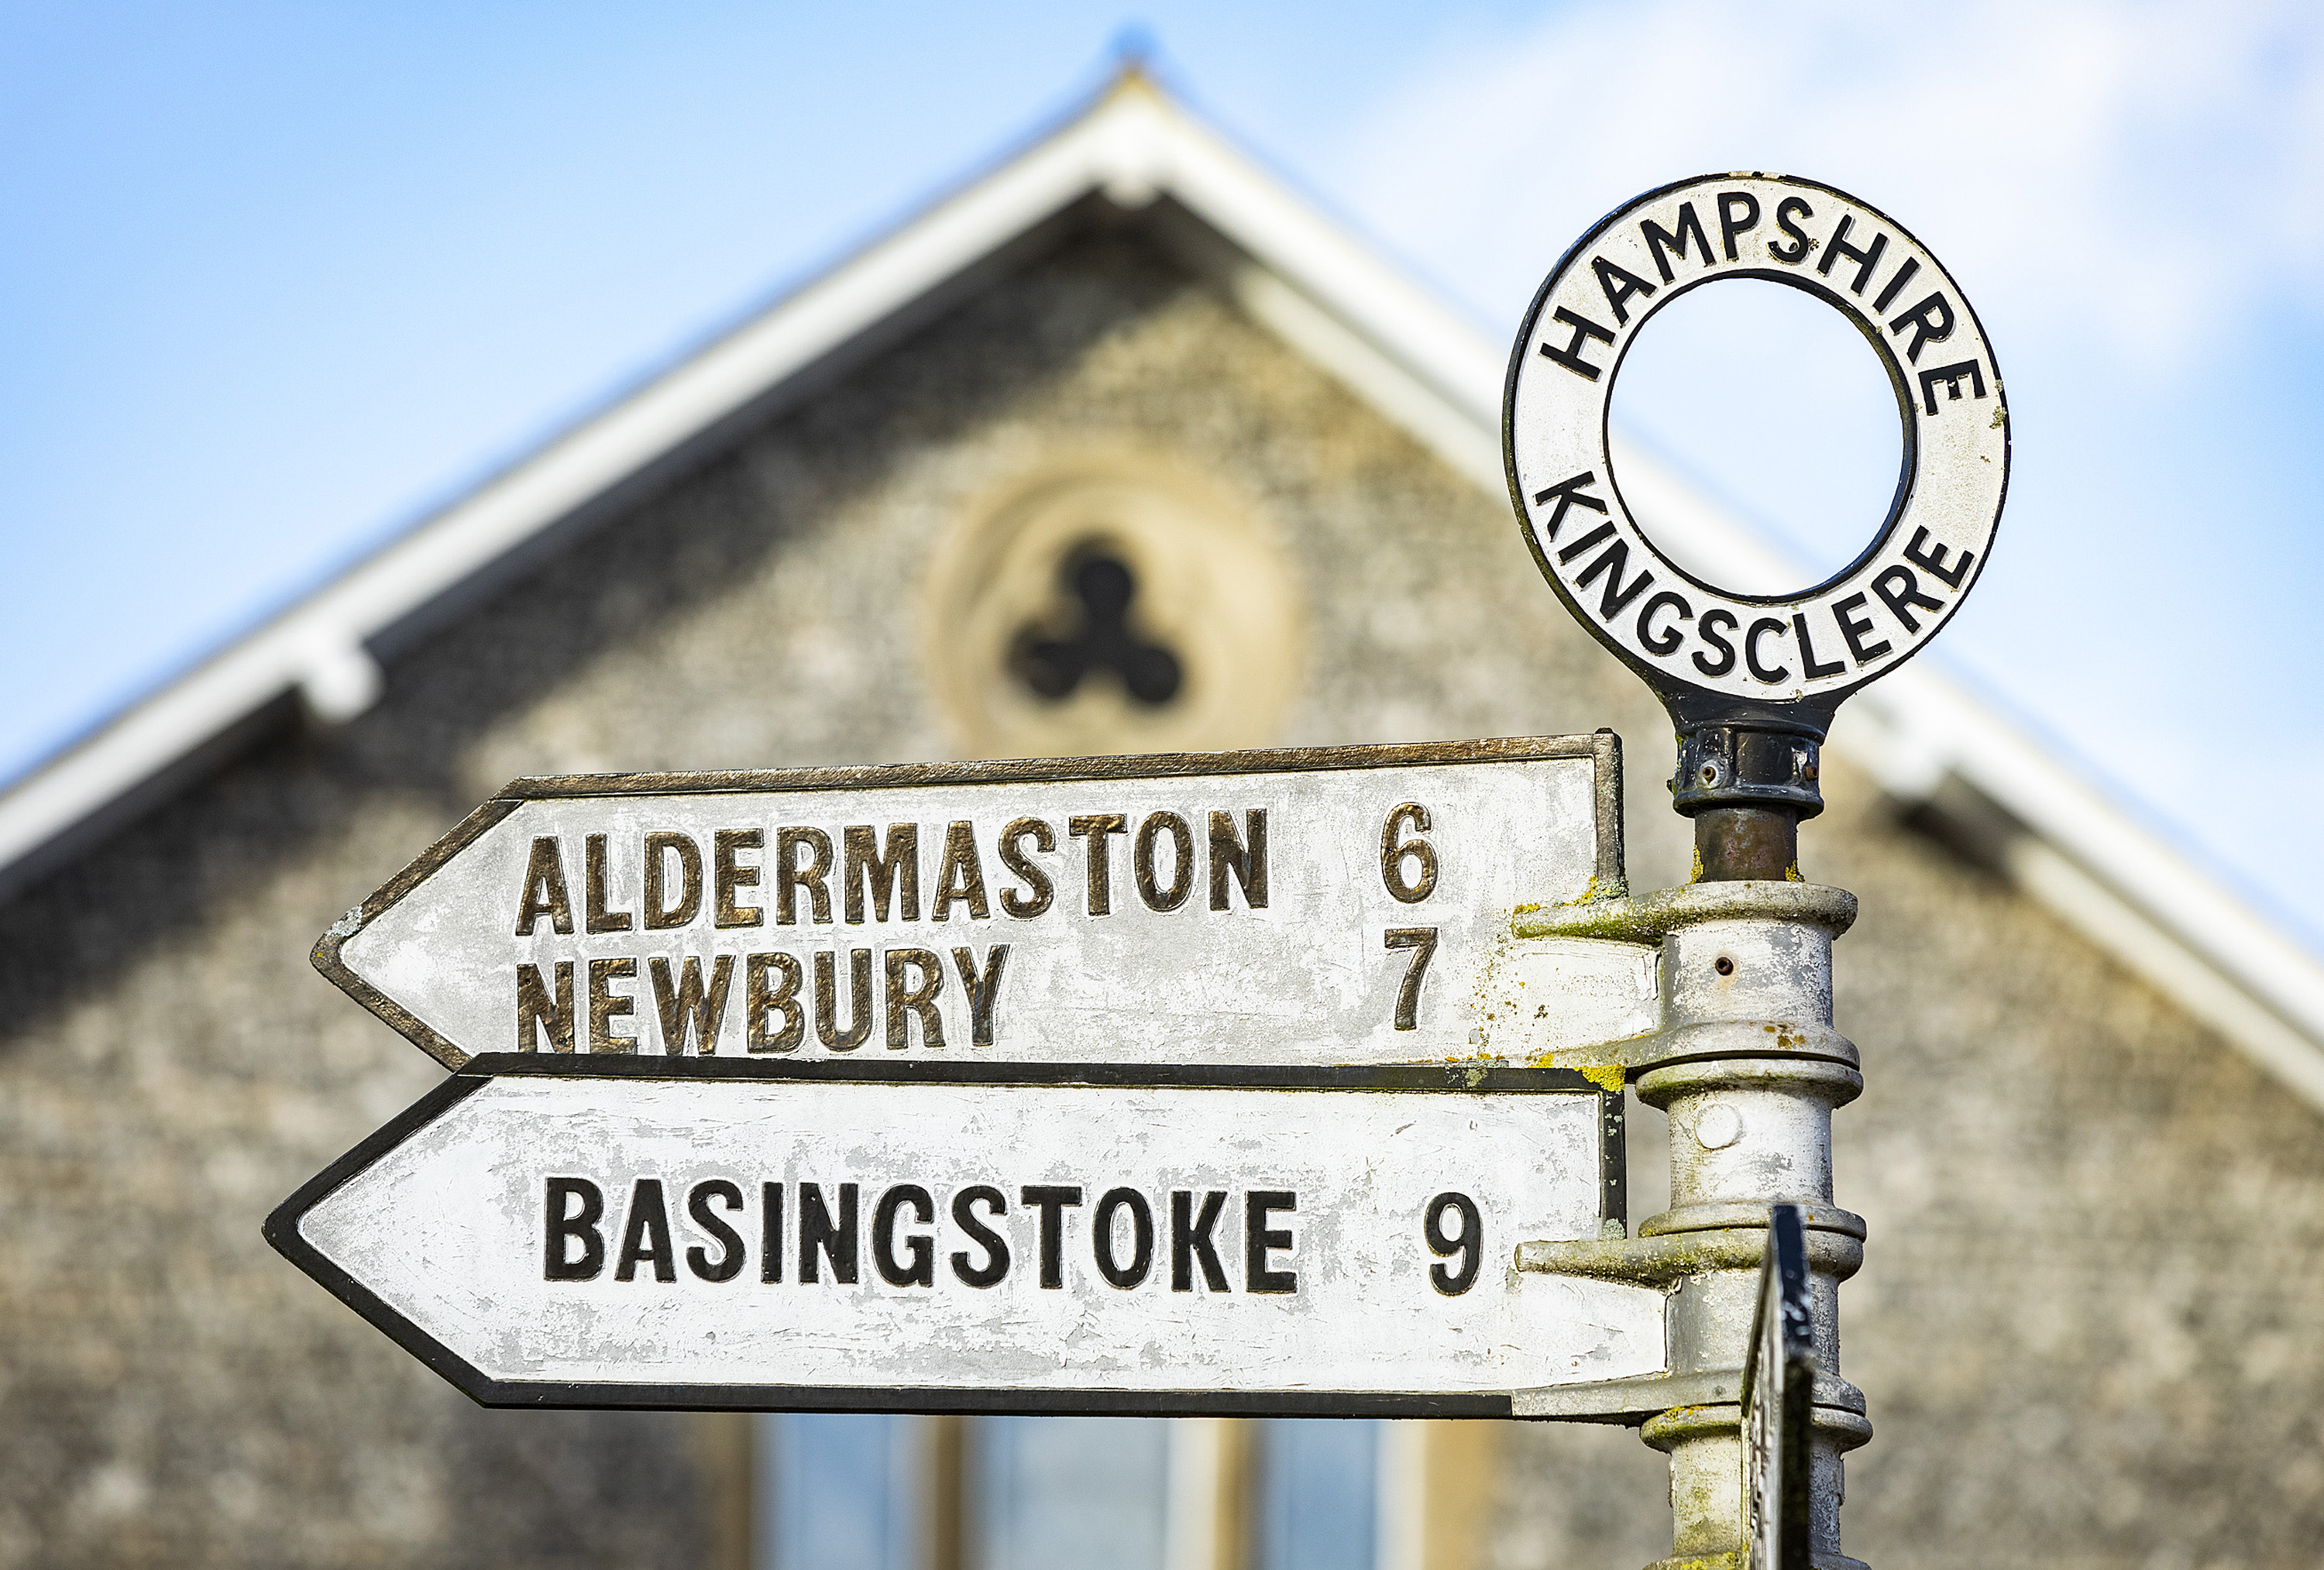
x=1318, y=1494
x=843, y=1491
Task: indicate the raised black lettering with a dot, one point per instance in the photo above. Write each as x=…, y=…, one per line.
x=729, y=1262
x=827, y=1029
x=1708, y=630
x=961, y=880
x=1142, y=1238
x=728, y=876
x=536, y=1013
x=686, y=1005
x=1619, y=284
x=1668, y=639
x=1808, y=662
x=1569, y=495
x=765, y=995
x=995, y=1247
x=1759, y=629
x=1902, y=591
x=922, y=1270
x=1931, y=558
x=1853, y=628
x=983, y=991
x=1614, y=596
x=1038, y=891
x=791, y=875
x=1787, y=209
x=1422, y=941
x=1245, y=858
x=1094, y=827
x=1931, y=321
x=1051, y=1200
x=1897, y=285
x=1587, y=542
x=568, y=1226
x=1739, y=214
x=597, y=918
x=1571, y=355
x=1259, y=1240
x=1659, y=240
x=1468, y=1245
x=864, y=866
x=821, y=1238
x=1190, y=1239
x=544, y=890
x=659, y=848
x=646, y=1239
x=917, y=999
x=1950, y=377
x=1397, y=852
x=1866, y=260
x=605, y=1006
x=770, y=1231
x=1157, y=895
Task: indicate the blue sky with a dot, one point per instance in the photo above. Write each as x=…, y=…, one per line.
x=275, y=279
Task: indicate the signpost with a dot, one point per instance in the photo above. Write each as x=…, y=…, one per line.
x=1225, y=1083
x=1745, y=1060
x=916, y=1237
x=1322, y=907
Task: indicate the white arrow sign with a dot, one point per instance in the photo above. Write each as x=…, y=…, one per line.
x=1328, y=905
x=904, y=1236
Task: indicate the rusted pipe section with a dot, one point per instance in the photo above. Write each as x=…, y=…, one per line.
x=1748, y=783
x=1736, y=844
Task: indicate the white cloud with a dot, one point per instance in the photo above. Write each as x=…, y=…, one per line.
x=2137, y=178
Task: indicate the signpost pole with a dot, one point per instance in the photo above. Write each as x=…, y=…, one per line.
x=1749, y=1067
x=1762, y=968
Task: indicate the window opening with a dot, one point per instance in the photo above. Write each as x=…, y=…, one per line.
x=1102, y=586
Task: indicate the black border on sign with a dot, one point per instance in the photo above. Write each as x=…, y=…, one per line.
x=281, y=1231
x=1604, y=749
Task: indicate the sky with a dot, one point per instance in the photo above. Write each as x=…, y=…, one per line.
x=278, y=280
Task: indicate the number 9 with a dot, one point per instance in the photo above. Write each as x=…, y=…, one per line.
x=1470, y=1245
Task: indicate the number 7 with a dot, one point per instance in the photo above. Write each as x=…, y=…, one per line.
x=1422, y=941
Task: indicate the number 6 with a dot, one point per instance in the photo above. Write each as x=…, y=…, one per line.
x=1395, y=853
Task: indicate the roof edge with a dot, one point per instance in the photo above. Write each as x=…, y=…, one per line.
x=1332, y=297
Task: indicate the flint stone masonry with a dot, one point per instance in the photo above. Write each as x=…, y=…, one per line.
x=2089, y=1324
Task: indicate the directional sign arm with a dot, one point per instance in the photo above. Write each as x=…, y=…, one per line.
x=902, y=1235
x=1778, y=1396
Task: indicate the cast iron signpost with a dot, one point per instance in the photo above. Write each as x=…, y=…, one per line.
x=1745, y=1061
x=1225, y=1083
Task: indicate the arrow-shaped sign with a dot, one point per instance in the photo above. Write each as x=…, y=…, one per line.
x=1326, y=906
x=1778, y=1389
x=902, y=1236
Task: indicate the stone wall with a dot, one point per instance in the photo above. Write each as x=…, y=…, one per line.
x=2089, y=1324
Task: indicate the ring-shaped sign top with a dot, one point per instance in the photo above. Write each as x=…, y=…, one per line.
x=1682, y=634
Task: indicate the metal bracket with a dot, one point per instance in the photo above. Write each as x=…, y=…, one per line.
x=1839, y=1404
x=1649, y=918
x=1735, y=765
x=1677, y=1245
